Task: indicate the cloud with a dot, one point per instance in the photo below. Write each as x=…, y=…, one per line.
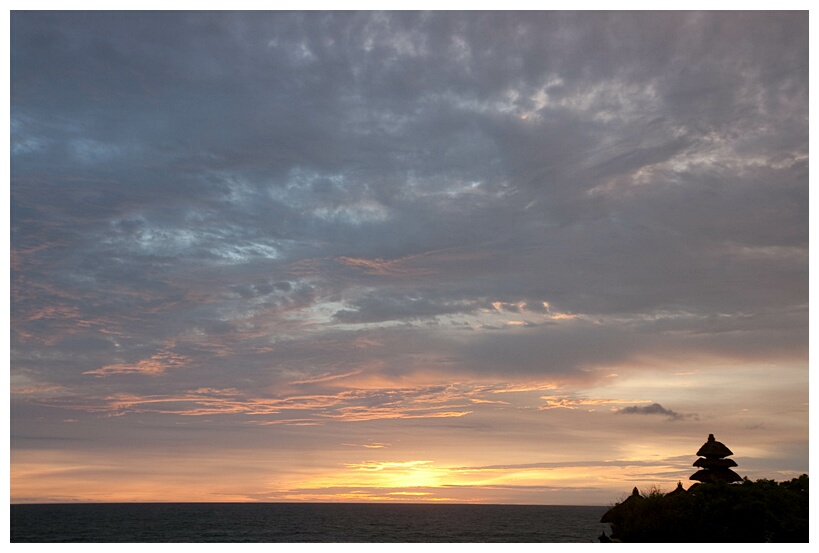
x=380, y=307
x=346, y=404
x=156, y=365
x=314, y=209
x=653, y=409
x=562, y=402
x=383, y=267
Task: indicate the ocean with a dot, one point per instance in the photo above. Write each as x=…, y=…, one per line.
x=304, y=522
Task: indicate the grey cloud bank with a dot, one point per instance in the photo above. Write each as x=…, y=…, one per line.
x=246, y=200
x=616, y=172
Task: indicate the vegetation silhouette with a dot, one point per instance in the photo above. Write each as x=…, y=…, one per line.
x=716, y=509
x=761, y=511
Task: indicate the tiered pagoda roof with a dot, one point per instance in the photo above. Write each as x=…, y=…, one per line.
x=713, y=463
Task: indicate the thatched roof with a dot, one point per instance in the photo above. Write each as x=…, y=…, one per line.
x=714, y=463
x=713, y=475
x=615, y=512
x=678, y=490
x=714, y=449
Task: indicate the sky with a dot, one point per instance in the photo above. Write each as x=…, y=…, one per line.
x=478, y=257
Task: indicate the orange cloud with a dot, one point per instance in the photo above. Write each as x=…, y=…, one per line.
x=566, y=402
x=346, y=405
x=516, y=388
x=155, y=365
x=358, y=413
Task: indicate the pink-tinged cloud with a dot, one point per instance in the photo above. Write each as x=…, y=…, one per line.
x=154, y=366
x=357, y=414
x=36, y=389
x=345, y=405
x=384, y=267
x=326, y=377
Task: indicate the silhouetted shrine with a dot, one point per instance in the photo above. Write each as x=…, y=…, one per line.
x=713, y=464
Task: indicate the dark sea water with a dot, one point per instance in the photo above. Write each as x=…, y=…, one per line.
x=304, y=522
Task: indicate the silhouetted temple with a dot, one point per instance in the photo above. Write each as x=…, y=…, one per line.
x=713, y=464
x=622, y=509
x=678, y=490
x=714, y=509
x=714, y=467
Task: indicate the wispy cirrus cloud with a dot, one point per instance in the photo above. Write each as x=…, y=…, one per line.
x=343, y=405
x=156, y=365
x=393, y=267
x=564, y=402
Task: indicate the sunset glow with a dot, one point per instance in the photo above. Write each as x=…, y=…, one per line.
x=472, y=257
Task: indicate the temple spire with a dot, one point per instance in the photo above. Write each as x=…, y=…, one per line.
x=713, y=463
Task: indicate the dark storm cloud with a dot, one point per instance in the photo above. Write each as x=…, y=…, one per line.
x=225, y=188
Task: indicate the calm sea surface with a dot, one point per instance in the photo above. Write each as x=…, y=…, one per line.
x=300, y=522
